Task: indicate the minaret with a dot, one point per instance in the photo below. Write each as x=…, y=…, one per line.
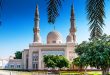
x=73, y=28
x=36, y=28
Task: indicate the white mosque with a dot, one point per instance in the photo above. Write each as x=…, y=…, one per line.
x=32, y=58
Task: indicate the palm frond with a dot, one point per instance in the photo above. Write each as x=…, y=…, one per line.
x=0, y=3
x=95, y=14
x=53, y=8
x=0, y=10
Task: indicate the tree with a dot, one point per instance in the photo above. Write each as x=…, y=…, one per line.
x=81, y=64
x=49, y=62
x=81, y=48
x=61, y=62
x=97, y=54
x=78, y=62
x=52, y=61
x=18, y=55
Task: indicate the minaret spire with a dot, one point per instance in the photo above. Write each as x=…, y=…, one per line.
x=36, y=19
x=72, y=20
x=72, y=11
x=36, y=29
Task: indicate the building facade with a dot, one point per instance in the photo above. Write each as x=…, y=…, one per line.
x=32, y=58
x=10, y=63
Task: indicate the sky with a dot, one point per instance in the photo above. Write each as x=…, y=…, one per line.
x=16, y=31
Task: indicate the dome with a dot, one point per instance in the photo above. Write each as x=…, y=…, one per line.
x=69, y=38
x=54, y=37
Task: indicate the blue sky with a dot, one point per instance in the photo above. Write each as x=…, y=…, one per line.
x=16, y=31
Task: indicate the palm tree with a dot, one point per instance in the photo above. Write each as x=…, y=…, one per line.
x=95, y=14
x=53, y=8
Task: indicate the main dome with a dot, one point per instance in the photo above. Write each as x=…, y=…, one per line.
x=54, y=37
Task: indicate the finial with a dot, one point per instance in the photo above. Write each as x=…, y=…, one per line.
x=72, y=6
x=37, y=11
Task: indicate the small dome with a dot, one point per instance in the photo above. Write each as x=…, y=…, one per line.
x=69, y=38
x=54, y=37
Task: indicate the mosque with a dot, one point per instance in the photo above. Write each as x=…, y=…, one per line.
x=32, y=58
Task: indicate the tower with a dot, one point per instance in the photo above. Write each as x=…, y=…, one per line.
x=36, y=28
x=72, y=20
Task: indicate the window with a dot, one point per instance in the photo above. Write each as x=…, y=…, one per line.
x=26, y=63
x=12, y=66
x=53, y=52
x=36, y=66
x=54, y=41
x=35, y=56
x=18, y=66
x=36, y=59
x=33, y=66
